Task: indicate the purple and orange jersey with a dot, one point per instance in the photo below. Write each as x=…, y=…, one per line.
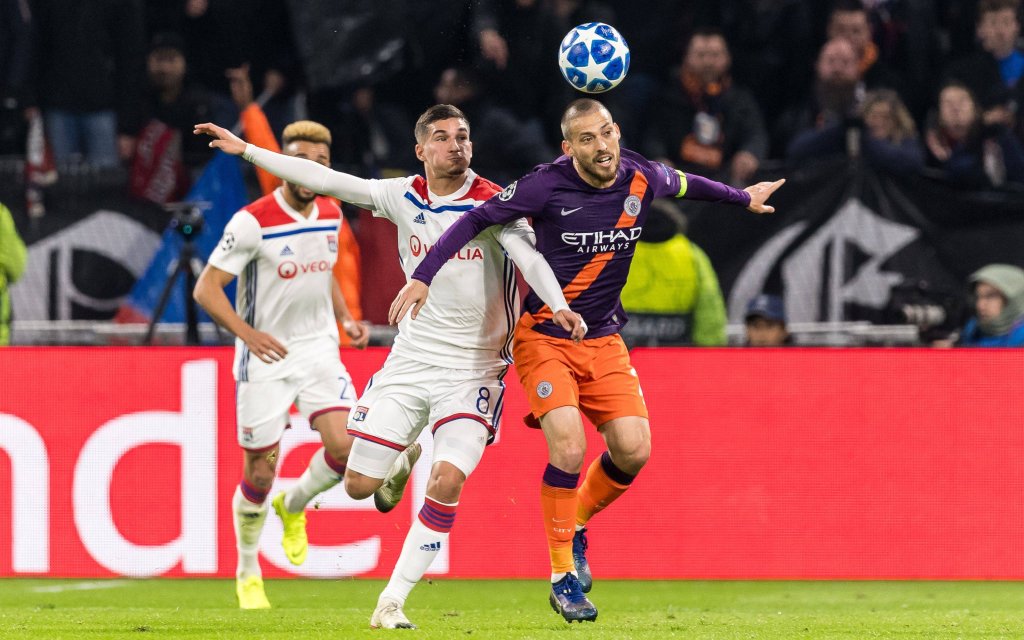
x=587, y=235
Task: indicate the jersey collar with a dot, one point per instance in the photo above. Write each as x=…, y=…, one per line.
x=287, y=208
x=457, y=195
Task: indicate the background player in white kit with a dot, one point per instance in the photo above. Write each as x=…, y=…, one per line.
x=282, y=248
x=445, y=370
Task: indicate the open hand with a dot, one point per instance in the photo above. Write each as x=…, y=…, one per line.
x=265, y=347
x=222, y=138
x=759, y=195
x=412, y=296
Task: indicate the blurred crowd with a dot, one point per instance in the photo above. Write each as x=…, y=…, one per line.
x=725, y=89
x=718, y=88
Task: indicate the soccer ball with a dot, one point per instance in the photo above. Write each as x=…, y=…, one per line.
x=593, y=57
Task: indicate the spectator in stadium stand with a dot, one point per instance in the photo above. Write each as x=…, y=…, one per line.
x=16, y=36
x=910, y=43
x=998, y=297
x=849, y=20
x=89, y=77
x=838, y=94
x=886, y=137
x=671, y=294
x=374, y=134
x=765, y=322
x=706, y=124
x=777, y=38
x=13, y=256
x=995, y=73
x=969, y=152
x=165, y=156
x=228, y=34
x=174, y=99
x=504, y=146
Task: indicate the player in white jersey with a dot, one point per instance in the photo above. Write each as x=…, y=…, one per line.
x=445, y=370
x=282, y=248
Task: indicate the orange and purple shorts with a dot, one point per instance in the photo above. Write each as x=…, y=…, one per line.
x=594, y=375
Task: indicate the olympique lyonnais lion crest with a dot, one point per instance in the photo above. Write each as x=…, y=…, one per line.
x=507, y=194
x=332, y=243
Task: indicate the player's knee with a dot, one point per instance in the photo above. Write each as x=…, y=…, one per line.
x=633, y=457
x=445, y=483
x=260, y=469
x=338, y=452
x=568, y=456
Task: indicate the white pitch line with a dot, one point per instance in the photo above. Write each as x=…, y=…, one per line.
x=81, y=586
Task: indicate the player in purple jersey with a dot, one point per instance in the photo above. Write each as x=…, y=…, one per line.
x=588, y=208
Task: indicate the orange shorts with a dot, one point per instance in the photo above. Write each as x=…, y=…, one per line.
x=594, y=375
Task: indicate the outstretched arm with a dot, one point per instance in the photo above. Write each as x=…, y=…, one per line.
x=300, y=171
x=694, y=187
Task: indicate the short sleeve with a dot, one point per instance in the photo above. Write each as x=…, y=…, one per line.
x=238, y=245
x=386, y=195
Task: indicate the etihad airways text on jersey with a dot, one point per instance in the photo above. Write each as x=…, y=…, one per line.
x=600, y=241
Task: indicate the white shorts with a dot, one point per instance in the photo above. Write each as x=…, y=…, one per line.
x=316, y=387
x=461, y=406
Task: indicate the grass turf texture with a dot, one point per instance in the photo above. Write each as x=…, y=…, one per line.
x=31, y=608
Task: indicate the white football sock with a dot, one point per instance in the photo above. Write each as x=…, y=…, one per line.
x=317, y=478
x=420, y=549
x=248, y=519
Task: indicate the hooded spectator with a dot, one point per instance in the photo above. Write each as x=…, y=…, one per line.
x=998, y=319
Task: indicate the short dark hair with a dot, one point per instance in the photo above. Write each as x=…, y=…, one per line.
x=953, y=83
x=432, y=115
x=577, y=108
x=705, y=32
x=990, y=6
x=847, y=6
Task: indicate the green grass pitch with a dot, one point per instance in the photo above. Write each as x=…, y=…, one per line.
x=141, y=609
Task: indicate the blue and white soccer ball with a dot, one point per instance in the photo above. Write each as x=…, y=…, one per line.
x=593, y=57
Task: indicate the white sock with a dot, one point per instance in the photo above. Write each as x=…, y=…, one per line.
x=317, y=478
x=248, y=521
x=420, y=549
x=555, y=577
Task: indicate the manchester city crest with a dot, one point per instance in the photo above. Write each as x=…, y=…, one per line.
x=632, y=205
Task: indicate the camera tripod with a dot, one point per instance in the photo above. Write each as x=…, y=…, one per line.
x=188, y=221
